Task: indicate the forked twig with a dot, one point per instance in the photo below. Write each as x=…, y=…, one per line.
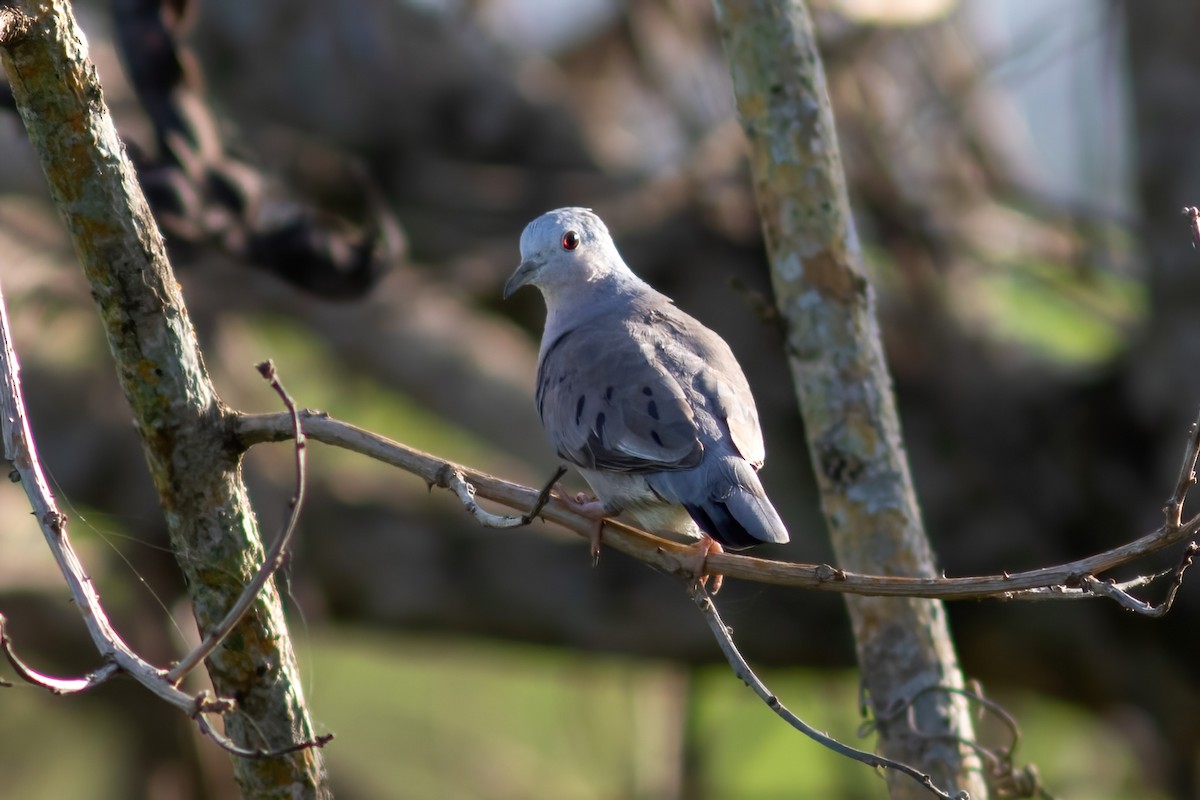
x=242, y=752
x=1117, y=592
x=1001, y=767
x=48, y=682
x=275, y=556
x=20, y=449
x=452, y=478
x=743, y=671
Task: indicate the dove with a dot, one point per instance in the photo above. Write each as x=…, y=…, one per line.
x=647, y=403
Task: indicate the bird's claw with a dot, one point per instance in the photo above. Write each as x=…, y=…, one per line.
x=697, y=560
x=588, y=506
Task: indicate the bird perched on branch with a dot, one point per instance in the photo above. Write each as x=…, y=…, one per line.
x=646, y=402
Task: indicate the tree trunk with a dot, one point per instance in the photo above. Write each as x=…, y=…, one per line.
x=844, y=388
x=183, y=424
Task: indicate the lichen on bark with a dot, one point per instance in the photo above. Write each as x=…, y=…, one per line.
x=185, y=429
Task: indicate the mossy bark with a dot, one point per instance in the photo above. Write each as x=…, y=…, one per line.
x=837, y=362
x=184, y=426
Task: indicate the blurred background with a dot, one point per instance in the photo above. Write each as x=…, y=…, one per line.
x=343, y=185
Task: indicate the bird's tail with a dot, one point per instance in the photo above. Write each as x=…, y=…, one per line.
x=736, y=512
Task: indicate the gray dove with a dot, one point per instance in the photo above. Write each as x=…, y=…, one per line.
x=648, y=404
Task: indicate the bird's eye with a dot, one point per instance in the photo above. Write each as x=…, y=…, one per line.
x=570, y=240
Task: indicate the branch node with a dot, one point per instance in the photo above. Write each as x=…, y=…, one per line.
x=829, y=573
x=55, y=521
x=452, y=478
x=205, y=702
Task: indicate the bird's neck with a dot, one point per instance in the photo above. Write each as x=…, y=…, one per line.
x=570, y=305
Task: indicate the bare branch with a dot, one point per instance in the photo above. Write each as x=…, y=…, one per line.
x=274, y=558
x=241, y=752
x=1061, y=581
x=20, y=450
x=1119, y=593
x=743, y=671
x=182, y=423
x=1003, y=775
x=1173, y=511
x=453, y=479
x=55, y=685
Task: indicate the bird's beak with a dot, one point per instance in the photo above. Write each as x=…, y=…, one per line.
x=522, y=276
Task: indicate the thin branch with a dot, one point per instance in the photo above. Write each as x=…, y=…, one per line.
x=274, y=558
x=1080, y=592
x=241, y=752
x=1001, y=769
x=180, y=420
x=1173, y=511
x=1060, y=581
x=743, y=671
x=1118, y=593
x=20, y=449
x=455, y=481
x=52, y=684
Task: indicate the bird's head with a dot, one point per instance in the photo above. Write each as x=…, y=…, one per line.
x=563, y=251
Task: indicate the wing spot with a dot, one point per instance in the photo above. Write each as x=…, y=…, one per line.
x=646, y=390
x=608, y=393
x=600, y=425
x=579, y=409
x=653, y=409
x=657, y=439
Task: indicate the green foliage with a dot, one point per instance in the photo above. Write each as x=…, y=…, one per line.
x=1058, y=313
x=1055, y=313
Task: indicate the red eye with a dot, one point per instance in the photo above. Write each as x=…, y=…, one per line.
x=570, y=240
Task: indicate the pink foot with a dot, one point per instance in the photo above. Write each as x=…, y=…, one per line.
x=698, y=554
x=588, y=506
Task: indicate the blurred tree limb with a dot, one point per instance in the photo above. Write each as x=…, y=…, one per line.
x=182, y=422
x=845, y=392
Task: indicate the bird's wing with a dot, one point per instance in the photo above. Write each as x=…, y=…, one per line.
x=717, y=378
x=609, y=400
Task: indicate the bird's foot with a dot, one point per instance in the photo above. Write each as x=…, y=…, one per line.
x=697, y=559
x=588, y=506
